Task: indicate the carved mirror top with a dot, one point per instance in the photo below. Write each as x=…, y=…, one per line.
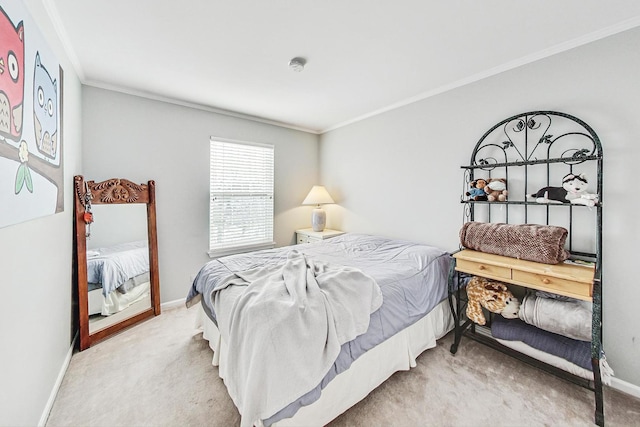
x=112, y=191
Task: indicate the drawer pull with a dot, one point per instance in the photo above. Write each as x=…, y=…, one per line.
x=482, y=267
x=546, y=281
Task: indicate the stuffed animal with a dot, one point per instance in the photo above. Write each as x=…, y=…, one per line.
x=573, y=190
x=494, y=296
x=496, y=189
x=477, y=190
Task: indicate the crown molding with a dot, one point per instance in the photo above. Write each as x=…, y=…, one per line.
x=527, y=59
x=54, y=16
x=169, y=100
x=628, y=24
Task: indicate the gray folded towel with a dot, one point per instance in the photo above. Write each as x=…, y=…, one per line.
x=571, y=318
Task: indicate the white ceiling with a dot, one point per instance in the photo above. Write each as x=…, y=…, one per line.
x=363, y=56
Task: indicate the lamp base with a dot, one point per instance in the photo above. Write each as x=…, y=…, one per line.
x=318, y=219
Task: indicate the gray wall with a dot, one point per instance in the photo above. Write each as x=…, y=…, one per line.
x=395, y=174
x=35, y=274
x=398, y=173
x=140, y=139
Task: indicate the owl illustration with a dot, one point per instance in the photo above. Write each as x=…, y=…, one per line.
x=11, y=77
x=45, y=111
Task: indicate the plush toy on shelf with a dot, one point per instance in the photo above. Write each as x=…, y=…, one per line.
x=494, y=296
x=496, y=189
x=573, y=190
x=477, y=190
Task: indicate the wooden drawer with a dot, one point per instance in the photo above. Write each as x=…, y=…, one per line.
x=483, y=269
x=556, y=285
x=571, y=280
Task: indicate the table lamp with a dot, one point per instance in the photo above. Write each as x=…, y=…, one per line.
x=318, y=196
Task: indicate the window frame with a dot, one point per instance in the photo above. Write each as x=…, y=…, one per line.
x=229, y=250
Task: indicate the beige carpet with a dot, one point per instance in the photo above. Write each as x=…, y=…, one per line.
x=159, y=373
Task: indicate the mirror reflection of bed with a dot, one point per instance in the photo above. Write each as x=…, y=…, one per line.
x=115, y=256
x=117, y=264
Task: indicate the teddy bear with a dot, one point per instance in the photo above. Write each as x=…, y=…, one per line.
x=494, y=296
x=477, y=190
x=496, y=189
x=573, y=190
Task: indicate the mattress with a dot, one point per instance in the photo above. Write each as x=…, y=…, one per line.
x=412, y=278
x=112, y=266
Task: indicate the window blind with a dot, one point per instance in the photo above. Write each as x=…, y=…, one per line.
x=241, y=203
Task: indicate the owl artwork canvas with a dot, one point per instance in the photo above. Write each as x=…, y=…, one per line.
x=45, y=112
x=31, y=100
x=11, y=77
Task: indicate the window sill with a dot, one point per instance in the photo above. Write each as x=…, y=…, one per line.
x=217, y=253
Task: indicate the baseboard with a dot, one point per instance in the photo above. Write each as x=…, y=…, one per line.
x=58, y=383
x=67, y=360
x=616, y=383
x=625, y=387
x=172, y=304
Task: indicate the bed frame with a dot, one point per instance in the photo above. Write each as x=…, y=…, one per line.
x=397, y=353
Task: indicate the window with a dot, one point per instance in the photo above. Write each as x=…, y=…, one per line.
x=241, y=203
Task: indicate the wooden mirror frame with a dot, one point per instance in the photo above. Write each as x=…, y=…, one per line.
x=111, y=192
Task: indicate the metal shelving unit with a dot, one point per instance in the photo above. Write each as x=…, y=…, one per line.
x=534, y=150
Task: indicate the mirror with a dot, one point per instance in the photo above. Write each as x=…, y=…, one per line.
x=116, y=256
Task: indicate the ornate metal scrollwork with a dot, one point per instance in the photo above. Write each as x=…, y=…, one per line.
x=538, y=136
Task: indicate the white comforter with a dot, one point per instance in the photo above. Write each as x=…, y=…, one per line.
x=112, y=266
x=286, y=326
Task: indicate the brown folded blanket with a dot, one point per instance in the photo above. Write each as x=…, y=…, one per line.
x=532, y=242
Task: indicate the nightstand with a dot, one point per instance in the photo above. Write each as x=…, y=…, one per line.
x=307, y=235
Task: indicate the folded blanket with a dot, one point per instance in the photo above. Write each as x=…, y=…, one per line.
x=575, y=351
x=571, y=318
x=547, y=358
x=531, y=242
x=287, y=327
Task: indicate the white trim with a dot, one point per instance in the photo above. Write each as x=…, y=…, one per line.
x=67, y=360
x=579, y=41
x=182, y=103
x=54, y=16
x=625, y=387
x=616, y=383
x=172, y=304
x=58, y=383
x=562, y=47
x=240, y=249
x=241, y=142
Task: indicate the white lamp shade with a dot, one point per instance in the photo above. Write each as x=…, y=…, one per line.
x=318, y=196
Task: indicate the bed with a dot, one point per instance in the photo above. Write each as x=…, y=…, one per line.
x=117, y=276
x=404, y=304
